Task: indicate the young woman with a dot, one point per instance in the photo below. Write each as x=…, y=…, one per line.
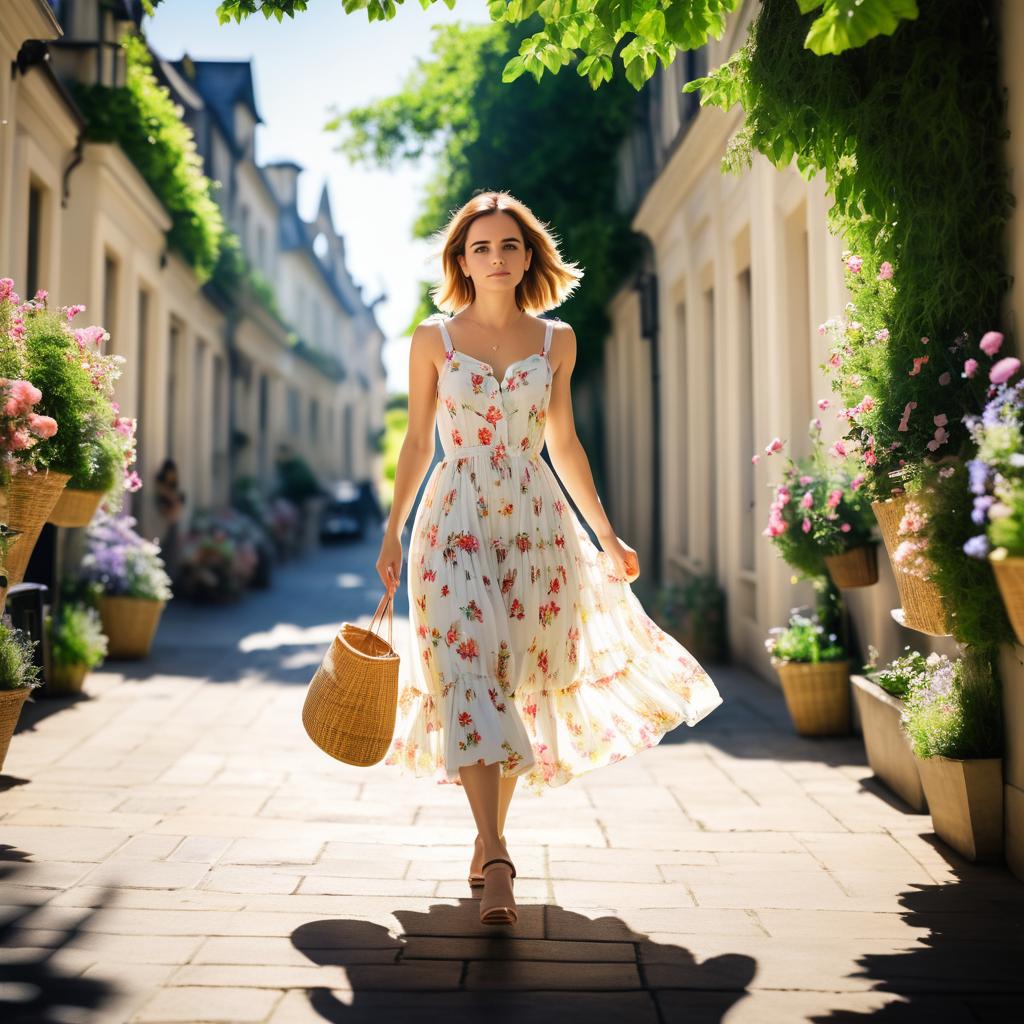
x=531, y=656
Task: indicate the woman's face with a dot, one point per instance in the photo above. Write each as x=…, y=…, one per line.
x=495, y=258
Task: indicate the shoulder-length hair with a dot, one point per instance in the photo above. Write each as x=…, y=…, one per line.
x=546, y=284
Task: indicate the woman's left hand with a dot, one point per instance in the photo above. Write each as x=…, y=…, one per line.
x=624, y=558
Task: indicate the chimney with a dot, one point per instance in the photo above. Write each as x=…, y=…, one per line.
x=284, y=179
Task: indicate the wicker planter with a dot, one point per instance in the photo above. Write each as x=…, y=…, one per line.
x=921, y=599
x=817, y=696
x=1010, y=579
x=130, y=624
x=30, y=499
x=75, y=507
x=857, y=567
x=11, y=703
x=63, y=680
x=966, y=802
x=889, y=753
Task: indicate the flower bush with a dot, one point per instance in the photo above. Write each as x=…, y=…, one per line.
x=804, y=639
x=121, y=563
x=219, y=556
x=17, y=665
x=819, y=508
x=896, y=677
x=997, y=470
x=953, y=708
x=76, y=636
x=20, y=426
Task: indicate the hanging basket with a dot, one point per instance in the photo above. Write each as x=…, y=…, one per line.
x=1010, y=579
x=11, y=703
x=923, y=608
x=75, y=507
x=64, y=680
x=817, y=696
x=857, y=567
x=30, y=499
x=130, y=624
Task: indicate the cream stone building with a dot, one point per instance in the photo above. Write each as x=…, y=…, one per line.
x=216, y=387
x=715, y=350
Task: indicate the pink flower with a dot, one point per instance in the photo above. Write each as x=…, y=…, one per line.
x=838, y=450
x=805, y=480
x=72, y=311
x=775, y=446
x=882, y=334
x=834, y=360
x=755, y=459
x=835, y=497
x=806, y=526
x=1004, y=370
x=941, y=420
x=19, y=439
x=970, y=368
x=991, y=343
x=845, y=527
x=807, y=500
x=854, y=263
x=857, y=482
x=945, y=378
x=42, y=426
x=7, y=289
x=41, y=296
x=823, y=404
x=919, y=361
x=907, y=410
x=924, y=340
x=885, y=271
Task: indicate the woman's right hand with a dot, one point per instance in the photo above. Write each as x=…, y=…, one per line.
x=389, y=564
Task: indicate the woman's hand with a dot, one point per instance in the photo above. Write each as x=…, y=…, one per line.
x=389, y=563
x=623, y=557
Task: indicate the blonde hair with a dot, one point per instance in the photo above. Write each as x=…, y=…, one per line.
x=546, y=284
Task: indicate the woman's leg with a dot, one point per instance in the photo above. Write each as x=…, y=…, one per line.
x=483, y=789
x=506, y=789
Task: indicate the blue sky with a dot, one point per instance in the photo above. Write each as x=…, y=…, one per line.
x=304, y=66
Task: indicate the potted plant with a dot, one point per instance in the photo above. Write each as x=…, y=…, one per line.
x=694, y=612
x=219, y=557
x=997, y=483
x=879, y=698
x=815, y=675
x=820, y=520
x=77, y=644
x=19, y=675
x=127, y=576
x=954, y=721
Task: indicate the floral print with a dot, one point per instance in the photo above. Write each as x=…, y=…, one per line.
x=528, y=649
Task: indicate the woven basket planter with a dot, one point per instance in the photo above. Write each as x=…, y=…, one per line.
x=857, y=567
x=11, y=703
x=64, y=680
x=30, y=499
x=1010, y=579
x=889, y=752
x=921, y=599
x=966, y=803
x=817, y=696
x=130, y=624
x=75, y=507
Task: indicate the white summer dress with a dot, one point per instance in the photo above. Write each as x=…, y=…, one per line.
x=526, y=648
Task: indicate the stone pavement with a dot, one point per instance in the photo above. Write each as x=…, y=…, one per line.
x=173, y=848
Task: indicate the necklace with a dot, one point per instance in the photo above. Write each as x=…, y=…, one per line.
x=494, y=348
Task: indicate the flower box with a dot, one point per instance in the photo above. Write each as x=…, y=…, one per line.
x=966, y=803
x=130, y=624
x=923, y=608
x=857, y=567
x=817, y=696
x=889, y=753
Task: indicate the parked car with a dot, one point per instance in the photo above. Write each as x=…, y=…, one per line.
x=344, y=514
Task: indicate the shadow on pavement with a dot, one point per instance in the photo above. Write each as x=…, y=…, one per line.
x=552, y=964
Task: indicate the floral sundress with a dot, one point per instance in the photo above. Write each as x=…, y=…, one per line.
x=526, y=647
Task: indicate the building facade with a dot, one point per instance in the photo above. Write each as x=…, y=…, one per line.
x=220, y=387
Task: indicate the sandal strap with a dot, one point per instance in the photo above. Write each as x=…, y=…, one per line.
x=500, y=860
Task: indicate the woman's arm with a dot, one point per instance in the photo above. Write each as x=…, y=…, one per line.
x=417, y=450
x=569, y=457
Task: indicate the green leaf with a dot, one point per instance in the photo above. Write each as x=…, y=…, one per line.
x=846, y=24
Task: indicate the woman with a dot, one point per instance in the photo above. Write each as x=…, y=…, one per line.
x=531, y=654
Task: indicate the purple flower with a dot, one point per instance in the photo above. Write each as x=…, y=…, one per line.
x=977, y=547
x=978, y=476
x=981, y=507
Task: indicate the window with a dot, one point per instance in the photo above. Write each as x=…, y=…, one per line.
x=110, y=273
x=34, y=269
x=745, y=408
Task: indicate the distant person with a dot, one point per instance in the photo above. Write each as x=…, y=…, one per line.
x=170, y=505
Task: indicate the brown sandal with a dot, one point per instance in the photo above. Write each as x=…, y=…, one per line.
x=502, y=913
x=477, y=881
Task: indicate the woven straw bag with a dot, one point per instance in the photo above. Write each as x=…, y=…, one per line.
x=350, y=706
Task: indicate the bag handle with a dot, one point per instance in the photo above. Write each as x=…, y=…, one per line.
x=385, y=602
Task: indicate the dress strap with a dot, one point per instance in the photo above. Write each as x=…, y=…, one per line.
x=449, y=348
x=547, y=335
